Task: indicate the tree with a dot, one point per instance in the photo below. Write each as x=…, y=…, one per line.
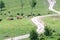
x=33, y=35
x=21, y=1
x=33, y=4
x=2, y=5
x=48, y=31
x=41, y=37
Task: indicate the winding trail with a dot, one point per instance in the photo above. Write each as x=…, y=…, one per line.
x=38, y=21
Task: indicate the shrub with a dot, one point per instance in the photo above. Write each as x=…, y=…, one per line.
x=41, y=37
x=11, y=18
x=22, y=14
x=38, y=14
x=0, y=19
x=32, y=14
x=29, y=15
x=18, y=14
x=33, y=3
x=48, y=31
x=6, y=36
x=4, y=13
x=48, y=13
x=9, y=12
x=2, y=5
x=33, y=35
x=54, y=31
x=51, y=37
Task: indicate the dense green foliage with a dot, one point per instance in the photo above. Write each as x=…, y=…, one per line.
x=48, y=31
x=2, y=5
x=33, y=35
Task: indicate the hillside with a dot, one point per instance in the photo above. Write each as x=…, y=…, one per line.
x=57, y=6
x=14, y=7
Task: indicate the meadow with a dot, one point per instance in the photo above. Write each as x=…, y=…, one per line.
x=17, y=27
x=54, y=24
x=12, y=28
x=57, y=6
x=14, y=6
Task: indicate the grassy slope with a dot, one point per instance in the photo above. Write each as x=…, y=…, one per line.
x=14, y=6
x=57, y=6
x=15, y=27
x=54, y=23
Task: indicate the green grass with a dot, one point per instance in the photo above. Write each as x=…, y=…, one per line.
x=23, y=26
x=54, y=23
x=14, y=6
x=57, y=6
x=15, y=27
x=19, y=27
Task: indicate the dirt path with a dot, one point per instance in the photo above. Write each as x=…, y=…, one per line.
x=38, y=22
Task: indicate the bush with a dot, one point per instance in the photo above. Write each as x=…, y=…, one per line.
x=2, y=5
x=33, y=35
x=33, y=3
x=18, y=14
x=50, y=12
x=6, y=36
x=51, y=37
x=41, y=37
x=54, y=31
x=9, y=12
x=0, y=19
x=29, y=15
x=22, y=14
x=32, y=14
x=11, y=18
x=48, y=31
x=38, y=14
x=4, y=13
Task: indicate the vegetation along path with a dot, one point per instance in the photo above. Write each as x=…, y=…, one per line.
x=38, y=22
